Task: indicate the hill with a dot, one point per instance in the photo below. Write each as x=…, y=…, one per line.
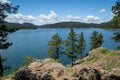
x=100, y=64
x=20, y=26
x=77, y=25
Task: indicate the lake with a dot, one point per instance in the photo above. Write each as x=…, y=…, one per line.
x=35, y=43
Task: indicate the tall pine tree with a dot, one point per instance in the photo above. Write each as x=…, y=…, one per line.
x=116, y=11
x=71, y=45
x=96, y=40
x=81, y=44
x=55, y=45
x=5, y=8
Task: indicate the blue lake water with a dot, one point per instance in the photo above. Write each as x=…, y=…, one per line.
x=35, y=43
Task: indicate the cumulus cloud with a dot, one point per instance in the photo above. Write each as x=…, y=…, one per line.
x=4, y=1
x=71, y=18
x=19, y=18
x=39, y=20
x=102, y=11
x=92, y=19
x=52, y=17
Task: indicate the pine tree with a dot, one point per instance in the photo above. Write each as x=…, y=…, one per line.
x=71, y=45
x=116, y=11
x=81, y=44
x=96, y=40
x=116, y=37
x=55, y=45
x=5, y=8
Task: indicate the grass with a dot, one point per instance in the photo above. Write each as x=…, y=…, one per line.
x=103, y=51
x=93, y=58
x=80, y=62
x=28, y=60
x=111, y=62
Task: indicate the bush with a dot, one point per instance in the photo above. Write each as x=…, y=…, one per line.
x=28, y=60
x=103, y=50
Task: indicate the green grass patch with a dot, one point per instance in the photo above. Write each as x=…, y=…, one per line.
x=115, y=54
x=93, y=58
x=80, y=62
x=103, y=51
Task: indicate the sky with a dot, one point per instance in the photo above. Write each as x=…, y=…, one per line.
x=41, y=12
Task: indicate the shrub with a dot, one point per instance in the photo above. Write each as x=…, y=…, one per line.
x=103, y=50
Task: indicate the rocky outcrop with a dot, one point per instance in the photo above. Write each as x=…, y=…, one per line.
x=88, y=74
x=27, y=75
x=100, y=64
x=112, y=77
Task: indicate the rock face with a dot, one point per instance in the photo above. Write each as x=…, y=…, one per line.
x=100, y=64
x=88, y=74
x=48, y=69
x=112, y=77
x=41, y=70
x=27, y=75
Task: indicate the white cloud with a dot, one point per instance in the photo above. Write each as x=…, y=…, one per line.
x=92, y=19
x=73, y=18
x=102, y=11
x=39, y=20
x=4, y=1
x=19, y=18
x=50, y=18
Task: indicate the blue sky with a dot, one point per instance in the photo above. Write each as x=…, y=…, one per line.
x=50, y=11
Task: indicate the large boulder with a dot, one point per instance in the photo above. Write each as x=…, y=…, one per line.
x=112, y=77
x=88, y=74
x=27, y=75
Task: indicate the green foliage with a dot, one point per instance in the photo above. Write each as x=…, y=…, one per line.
x=28, y=60
x=96, y=40
x=78, y=25
x=116, y=11
x=118, y=47
x=74, y=45
x=116, y=37
x=93, y=58
x=55, y=45
x=103, y=50
x=81, y=44
x=5, y=8
x=71, y=45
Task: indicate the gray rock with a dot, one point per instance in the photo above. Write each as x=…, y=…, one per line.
x=27, y=75
x=89, y=74
x=112, y=77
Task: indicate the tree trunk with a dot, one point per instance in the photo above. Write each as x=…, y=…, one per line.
x=72, y=61
x=1, y=67
x=57, y=53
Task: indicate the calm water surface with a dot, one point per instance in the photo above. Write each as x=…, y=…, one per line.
x=35, y=43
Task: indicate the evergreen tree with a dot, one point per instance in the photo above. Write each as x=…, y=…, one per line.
x=116, y=11
x=96, y=40
x=81, y=44
x=5, y=8
x=71, y=45
x=1, y=67
x=116, y=37
x=55, y=46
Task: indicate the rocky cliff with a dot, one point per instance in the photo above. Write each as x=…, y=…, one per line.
x=100, y=64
